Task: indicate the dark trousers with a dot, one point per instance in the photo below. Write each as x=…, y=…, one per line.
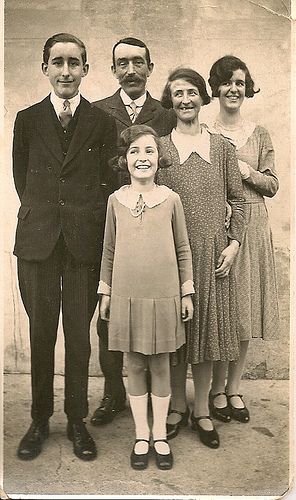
x=59, y=282
x=111, y=363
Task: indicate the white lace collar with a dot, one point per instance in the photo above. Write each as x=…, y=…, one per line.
x=237, y=136
x=129, y=197
x=187, y=144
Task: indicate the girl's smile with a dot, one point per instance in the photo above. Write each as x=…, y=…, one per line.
x=142, y=159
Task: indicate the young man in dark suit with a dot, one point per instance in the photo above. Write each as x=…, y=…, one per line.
x=60, y=151
x=131, y=104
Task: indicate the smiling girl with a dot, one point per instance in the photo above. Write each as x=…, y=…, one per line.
x=146, y=285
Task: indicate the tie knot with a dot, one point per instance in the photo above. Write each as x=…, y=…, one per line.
x=66, y=105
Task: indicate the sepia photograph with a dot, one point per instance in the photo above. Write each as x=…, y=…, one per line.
x=147, y=220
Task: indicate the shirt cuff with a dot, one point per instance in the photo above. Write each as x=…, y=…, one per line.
x=103, y=288
x=187, y=288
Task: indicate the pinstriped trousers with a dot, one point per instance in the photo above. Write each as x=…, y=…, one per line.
x=56, y=284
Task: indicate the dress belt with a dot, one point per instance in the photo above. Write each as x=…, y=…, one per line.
x=250, y=202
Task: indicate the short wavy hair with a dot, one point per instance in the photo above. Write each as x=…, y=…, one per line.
x=64, y=38
x=190, y=76
x=136, y=43
x=222, y=71
x=127, y=137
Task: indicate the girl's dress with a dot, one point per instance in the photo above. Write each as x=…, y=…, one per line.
x=146, y=266
x=205, y=176
x=255, y=266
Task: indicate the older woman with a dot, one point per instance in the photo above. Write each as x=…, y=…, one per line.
x=205, y=173
x=258, y=316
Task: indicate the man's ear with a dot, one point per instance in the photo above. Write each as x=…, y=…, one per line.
x=44, y=68
x=113, y=70
x=85, y=69
x=150, y=68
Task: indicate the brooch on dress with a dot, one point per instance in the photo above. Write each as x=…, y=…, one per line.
x=139, y=208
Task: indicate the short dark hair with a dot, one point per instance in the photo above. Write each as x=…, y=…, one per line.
x=132, y=41
x=222, y=71
x=131, y=134
x=190, y=76
x=64, y=38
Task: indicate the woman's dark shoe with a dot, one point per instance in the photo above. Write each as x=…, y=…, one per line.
x=139, y=461
x=163, y=462
x=209, y=438
x=240, y=414
x=224, y=413
x=173, y=429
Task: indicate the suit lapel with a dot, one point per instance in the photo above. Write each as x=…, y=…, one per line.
x=118, y=109
x=85, y=124
x=147, y=112
x=46, y=128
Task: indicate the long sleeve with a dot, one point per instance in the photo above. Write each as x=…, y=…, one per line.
x=264, y=180
x=20, y=155
x=108, y=250
x=183, y=250
x=235, y=196
x=109, y=177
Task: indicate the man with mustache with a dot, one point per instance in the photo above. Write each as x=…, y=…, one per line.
x=131, y=104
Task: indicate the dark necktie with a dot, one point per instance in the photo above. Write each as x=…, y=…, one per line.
x=66, y=114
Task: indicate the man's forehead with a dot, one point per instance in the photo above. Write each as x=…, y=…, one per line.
x=65, y=49
x=126, y=51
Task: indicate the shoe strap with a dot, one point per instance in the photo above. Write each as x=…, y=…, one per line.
x=139, y=440
x=200, y=418
x=232, y=395
x=160, y=441
x=217, y=394
x=181, y=413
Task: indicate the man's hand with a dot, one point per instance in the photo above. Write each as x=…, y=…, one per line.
x=105, y=307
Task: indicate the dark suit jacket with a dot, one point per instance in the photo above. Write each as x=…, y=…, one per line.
x=152, y=114
x=62, y=193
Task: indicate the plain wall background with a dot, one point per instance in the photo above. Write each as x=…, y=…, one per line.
x=178, y=32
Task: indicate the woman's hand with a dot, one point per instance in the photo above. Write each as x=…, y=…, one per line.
x=105, y=307
x=226, y=259
x=187, y=308
x=244, y=169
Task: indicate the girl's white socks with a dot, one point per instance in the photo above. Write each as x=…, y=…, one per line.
x=139, y=406
x=160, y=406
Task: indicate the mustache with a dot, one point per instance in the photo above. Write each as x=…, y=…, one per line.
x=134, y=79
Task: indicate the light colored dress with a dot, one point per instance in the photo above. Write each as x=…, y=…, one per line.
x=205, y=176
x=146, y=267
x=255, y=267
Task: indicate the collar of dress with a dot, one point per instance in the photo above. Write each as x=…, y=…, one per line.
x=129, y=197
x=238, y=136
x=187, y=144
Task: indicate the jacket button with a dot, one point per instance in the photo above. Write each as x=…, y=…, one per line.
x=62, y=179
x=61, y=202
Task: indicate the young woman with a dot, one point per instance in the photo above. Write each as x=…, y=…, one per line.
x=258, y=315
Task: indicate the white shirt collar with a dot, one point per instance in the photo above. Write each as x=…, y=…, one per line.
x=127, y=100
x=187, y=144
x=129, y=197
x=57, y=102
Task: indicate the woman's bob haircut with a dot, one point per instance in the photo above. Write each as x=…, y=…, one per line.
x=222, y=71
x=190, y=76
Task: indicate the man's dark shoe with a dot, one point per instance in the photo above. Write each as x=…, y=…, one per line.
x=84, y=446
x=108, y=409
x=31, y=444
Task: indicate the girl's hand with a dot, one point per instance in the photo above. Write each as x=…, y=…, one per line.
x=187, y=308
x=105, y=307
x=228, y=215
x=226, y=259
